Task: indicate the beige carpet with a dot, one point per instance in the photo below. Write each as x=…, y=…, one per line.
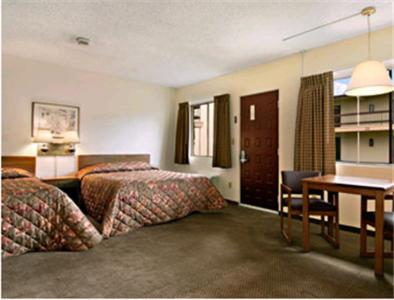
x=234, y=253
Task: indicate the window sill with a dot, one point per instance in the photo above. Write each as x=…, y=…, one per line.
x=371, y=165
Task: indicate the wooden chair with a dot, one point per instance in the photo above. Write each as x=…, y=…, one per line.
x=368, y=218
x=291, y=185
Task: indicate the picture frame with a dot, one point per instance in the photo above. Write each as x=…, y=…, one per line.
x=55, y=123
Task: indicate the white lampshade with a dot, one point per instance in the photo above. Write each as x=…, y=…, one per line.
x=42, y=136
x=369, y=78
x=45, y=136
x=70, y=137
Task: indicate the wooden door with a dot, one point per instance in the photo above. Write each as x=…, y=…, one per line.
x=259, y=141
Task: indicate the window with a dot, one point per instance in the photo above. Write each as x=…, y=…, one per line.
x=363, y=127
x=340, y=86
x=202, y=129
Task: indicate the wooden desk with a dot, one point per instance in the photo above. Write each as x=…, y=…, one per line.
x=372, y=188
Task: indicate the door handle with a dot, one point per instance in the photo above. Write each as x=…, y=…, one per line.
x=242, y=158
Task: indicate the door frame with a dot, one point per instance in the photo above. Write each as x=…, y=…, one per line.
x=240, y=146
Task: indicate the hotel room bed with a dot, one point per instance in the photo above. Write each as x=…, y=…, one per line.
x=122, y=196
x=39, y=217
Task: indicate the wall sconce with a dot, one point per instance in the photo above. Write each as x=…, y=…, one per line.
x=43, y=147
x=71, y=148
x=54, y=144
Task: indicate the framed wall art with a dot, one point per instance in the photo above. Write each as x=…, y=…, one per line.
x=54, y=123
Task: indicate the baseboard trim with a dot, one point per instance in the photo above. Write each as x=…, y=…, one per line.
x=259, y=208
x=343, y=227
x=232, y=201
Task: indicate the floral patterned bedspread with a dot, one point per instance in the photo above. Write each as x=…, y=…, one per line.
x=126, y=200
x=39, y=217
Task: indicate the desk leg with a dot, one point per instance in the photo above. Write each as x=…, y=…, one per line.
x=305, y=217
x=363, y=226
x=330, y=226
x=379, y=241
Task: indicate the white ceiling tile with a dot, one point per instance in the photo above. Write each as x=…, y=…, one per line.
x=175, y=43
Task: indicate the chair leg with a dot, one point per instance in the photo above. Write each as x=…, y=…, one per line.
x=286, y=233
x=363, y=228
x=322, y=220
x=289, y=241
x=333, y=238
x=330, y=227
x=387, y=254
x=337, y=230
x=332, y=235
x=336, y=201
x=281, y=217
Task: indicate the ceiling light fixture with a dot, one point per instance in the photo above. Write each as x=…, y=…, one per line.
x=370, y=77
x=82, y=41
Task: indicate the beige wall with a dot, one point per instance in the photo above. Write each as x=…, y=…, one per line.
x=117, y=116
x=381, y=102
x=348, y=146
x=379, y=153
x=283, y=75
x=349, y=105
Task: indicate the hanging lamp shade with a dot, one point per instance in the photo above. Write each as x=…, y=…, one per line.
x=369, y=78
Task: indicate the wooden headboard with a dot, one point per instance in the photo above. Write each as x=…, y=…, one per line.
x=27, y=163
x=88, y=160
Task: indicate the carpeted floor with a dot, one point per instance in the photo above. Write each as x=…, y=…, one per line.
x=238, y=252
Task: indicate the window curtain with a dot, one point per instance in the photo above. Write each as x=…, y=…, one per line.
x=182, y=135
x=221, y=132
x=315, y=132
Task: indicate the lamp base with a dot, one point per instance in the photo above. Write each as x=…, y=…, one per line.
x=55, y=149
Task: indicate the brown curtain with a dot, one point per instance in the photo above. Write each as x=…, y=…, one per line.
x=182, y=135
x=315, y=132
x=221, y=132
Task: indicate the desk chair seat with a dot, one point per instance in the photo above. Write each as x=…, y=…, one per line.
x=314, y=204
x=368, y=218
x=388, y=220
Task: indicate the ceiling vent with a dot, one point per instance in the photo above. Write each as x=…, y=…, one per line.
x=82, y=41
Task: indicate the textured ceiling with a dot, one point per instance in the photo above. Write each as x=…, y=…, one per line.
x=175, y=43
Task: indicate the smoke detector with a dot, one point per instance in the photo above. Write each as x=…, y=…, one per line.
x=82, y=41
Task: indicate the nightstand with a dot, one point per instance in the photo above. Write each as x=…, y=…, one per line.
x=68, y=184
